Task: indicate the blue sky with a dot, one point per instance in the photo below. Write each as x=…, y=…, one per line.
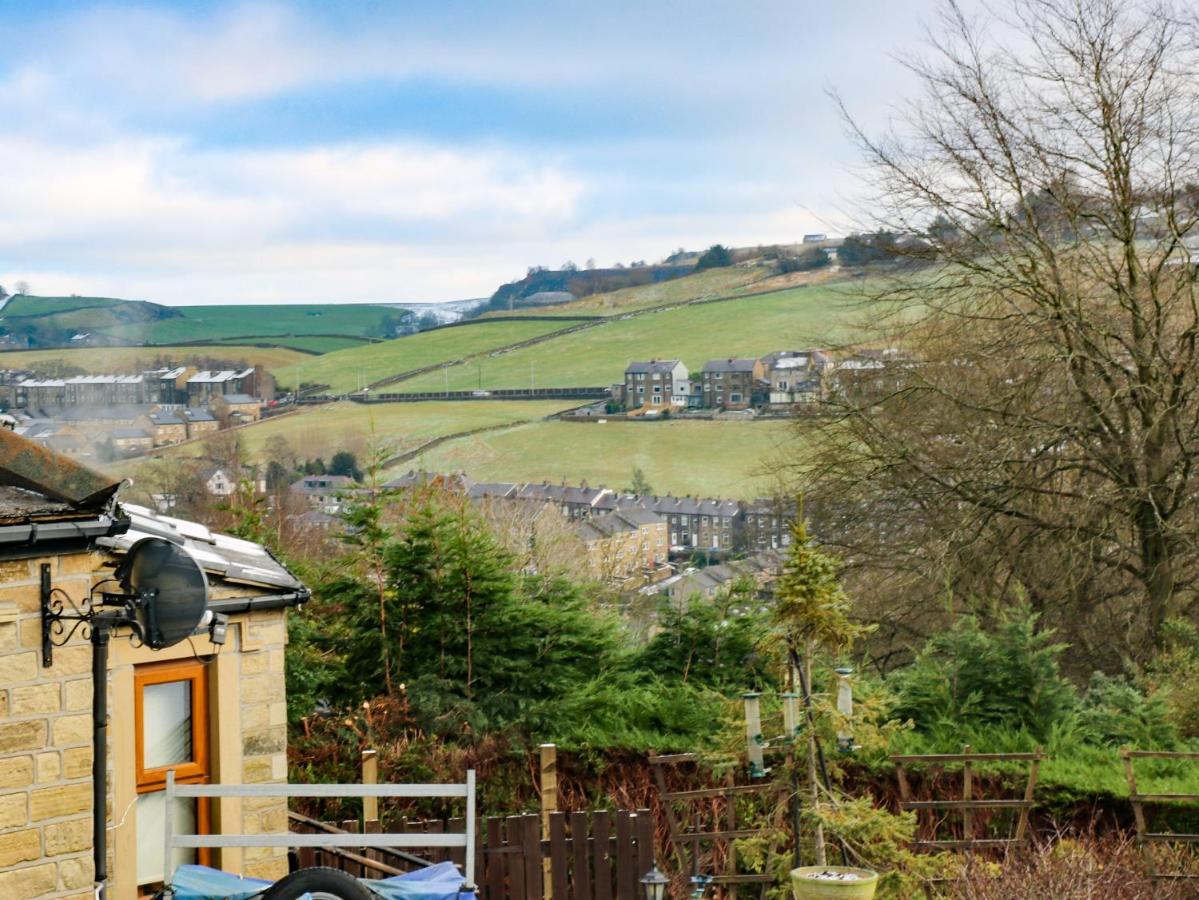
x=376, y=151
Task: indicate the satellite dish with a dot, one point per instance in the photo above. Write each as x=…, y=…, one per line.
x=168, y=588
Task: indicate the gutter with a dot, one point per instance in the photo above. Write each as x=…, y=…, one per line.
x=34, y=538
x=234, y=605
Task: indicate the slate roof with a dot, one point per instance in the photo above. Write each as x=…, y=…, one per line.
x=194, y=414
x=649, y=367
x=165, y=418
x=241, y=398
x=229, y=558
x=730, y=365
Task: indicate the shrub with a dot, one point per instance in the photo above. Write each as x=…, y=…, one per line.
x=715, y=257
x=1115, y=712
x=1007, y=677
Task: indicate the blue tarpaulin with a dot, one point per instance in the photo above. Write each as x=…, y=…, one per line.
x=440, y=882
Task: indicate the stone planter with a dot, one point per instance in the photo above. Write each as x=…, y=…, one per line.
x=858, y=887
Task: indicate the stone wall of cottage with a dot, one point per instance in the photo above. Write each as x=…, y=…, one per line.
x=45, y=740
x=46, y=736
x=264, y=735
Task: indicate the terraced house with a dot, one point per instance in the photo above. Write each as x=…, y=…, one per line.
x=732, y=383
x=656, y=384
x=81, y=798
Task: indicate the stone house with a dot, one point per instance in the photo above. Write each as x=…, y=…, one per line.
x=212, y=713
x=240, y=408
x=624, y=545
x=131, y=441
x=326, y=493
x=660, y=383
x=167, y=427
x=731, y=383
x=200, y=421
x=797, y=377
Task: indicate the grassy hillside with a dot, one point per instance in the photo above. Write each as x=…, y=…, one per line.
x=50, y=321
x=106, y=360
x=347, y=370
x=219, y=322
x=681, y=457
x=750, y=326
x=708, y=283
x=323, y=430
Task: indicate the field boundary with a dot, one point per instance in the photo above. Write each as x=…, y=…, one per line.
x=446, y=438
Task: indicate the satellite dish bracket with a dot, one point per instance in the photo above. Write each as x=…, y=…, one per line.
x=63, y=617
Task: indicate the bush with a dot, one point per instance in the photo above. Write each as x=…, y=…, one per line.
x=806, y=260
x=1007, y=677
x=1115, y=712
x=715, y=257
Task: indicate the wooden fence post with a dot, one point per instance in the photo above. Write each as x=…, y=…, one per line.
x=370, y=775
x=549, y=805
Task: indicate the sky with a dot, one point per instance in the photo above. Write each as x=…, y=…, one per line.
x=200, y=152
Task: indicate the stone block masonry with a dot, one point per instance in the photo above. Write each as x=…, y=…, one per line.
x=45, y=740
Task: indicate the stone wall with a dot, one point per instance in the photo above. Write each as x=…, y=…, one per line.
x=46, y=737
x=45, y=740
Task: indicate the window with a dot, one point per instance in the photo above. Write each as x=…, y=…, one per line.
x=734, y=398
x=171, y=732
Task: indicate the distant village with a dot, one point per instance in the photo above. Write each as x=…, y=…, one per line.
x=782, y=382
x=107, y=417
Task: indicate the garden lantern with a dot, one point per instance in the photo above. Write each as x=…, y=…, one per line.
x=655, y=884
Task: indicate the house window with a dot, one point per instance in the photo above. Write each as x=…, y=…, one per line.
x=734, y=398
x=171, y=732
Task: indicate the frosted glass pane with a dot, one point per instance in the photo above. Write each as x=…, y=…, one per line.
x=151, y=809
x=166, y=724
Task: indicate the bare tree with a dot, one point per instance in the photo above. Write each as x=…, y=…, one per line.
x=1041, y=434
x=22, y=288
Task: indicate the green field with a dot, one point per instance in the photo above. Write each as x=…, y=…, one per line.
x=221, y=322
x=319, y=327
x=307, y=343
x=717, y=458
x=106, y=360
x=750, y=326
x=323, y=430
x=350, y=369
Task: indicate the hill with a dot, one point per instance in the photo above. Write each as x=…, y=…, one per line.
x=348, y=370
x=110, y=360
x=744, y=326
x=542, y=287
x=716, y=458
x=52, y=321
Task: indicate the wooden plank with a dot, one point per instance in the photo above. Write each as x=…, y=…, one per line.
x=548, y=757
x=581, y=874
x=626, y=858
x=644, y=827
x=961, y=804
x=959, y=845
x=493, y=862
x=373, y=826
x=458, y=854
x=697, y=836
x=370, y=775
x=1164, y=798
x=557, y=858
x=720, y=791
x=517, y=866
x=532, y=841
x=350, y=826
x=1154, y=754
x=967, y=795
x=959, y=757
x=601, y=830
x=730, y=856
x=1029, y=789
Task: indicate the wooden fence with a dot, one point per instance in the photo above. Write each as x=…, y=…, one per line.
x=588, y=856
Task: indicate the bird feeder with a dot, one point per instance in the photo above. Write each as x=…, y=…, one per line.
x=845, y=707
x=754, y=742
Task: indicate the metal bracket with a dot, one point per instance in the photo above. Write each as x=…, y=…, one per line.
x=62, y=616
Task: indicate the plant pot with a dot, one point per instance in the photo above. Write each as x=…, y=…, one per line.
x=805, y=887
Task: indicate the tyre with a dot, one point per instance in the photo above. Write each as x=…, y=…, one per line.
x=321, y=884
